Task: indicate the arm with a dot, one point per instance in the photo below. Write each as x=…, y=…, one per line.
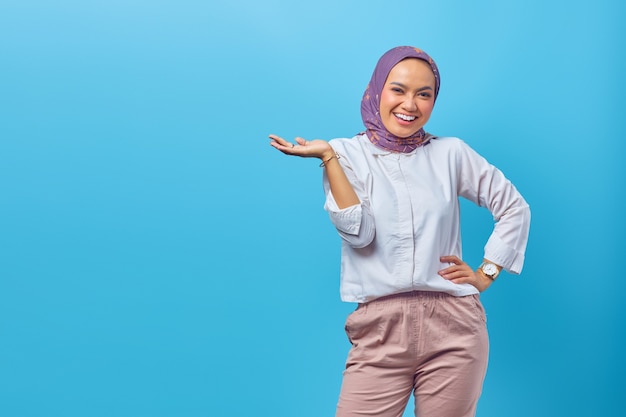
x=342, y=190
x=485, y=185
x=350, y=214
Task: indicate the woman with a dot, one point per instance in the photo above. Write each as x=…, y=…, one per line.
x=392, y=193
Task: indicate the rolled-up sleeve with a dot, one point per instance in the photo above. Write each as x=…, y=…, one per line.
x=355, y=224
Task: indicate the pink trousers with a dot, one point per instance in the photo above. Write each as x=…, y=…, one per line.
x=431, y=344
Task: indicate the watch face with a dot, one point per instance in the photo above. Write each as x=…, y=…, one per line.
x=490, y=269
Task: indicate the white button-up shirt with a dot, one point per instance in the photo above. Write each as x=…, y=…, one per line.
x=409, y=216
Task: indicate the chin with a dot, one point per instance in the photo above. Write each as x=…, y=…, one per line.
x=404, y=134
x=402, y=131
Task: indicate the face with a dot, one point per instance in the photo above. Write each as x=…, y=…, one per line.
x=408, y=97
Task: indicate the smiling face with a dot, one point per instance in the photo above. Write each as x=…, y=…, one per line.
x=408, y=97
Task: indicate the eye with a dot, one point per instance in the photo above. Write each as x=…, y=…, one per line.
x=425, y=94
x=397, y=90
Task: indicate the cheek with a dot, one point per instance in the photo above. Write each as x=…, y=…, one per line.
x=388, y=101
x=426, y=108
x=384, y=102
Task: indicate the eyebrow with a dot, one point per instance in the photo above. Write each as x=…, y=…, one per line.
x=405, y=87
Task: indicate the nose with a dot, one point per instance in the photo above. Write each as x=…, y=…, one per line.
x=410, y=104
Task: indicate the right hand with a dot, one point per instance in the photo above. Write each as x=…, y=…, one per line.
x=316, y=148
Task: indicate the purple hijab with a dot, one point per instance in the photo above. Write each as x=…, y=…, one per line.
x=370, y=104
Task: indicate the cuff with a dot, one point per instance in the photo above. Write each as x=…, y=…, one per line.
x=347, y=220
x=502, y=254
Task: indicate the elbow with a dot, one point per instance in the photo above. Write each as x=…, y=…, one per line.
x=361, y=235
x=527, y=215
x=366, y=231
x=355, y=225
x=361, y=240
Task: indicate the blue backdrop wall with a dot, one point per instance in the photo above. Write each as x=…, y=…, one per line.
x=159, y=258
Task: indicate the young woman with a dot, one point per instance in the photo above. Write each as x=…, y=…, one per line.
x=392, y=193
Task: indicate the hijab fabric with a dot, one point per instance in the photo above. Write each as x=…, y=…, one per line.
x=370, y=104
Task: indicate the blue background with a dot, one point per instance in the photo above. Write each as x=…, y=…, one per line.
x=159, y=258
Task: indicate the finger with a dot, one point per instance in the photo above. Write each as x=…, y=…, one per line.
x=476, y=284
x=464, y=280
x=301, y=141
x=282, y=148
x=280, y=143
x=453, y=268
x=449, y=270
x=456, y=275
x=452, y=259
x=278, y=139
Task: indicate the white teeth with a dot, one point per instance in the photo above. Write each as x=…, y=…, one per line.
x=405, y=117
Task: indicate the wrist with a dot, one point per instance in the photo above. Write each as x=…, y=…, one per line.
x=489, y=270
x=327, y=154
x=483, y=281
x=328, y=158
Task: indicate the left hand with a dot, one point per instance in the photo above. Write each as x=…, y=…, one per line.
x=462, y=273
